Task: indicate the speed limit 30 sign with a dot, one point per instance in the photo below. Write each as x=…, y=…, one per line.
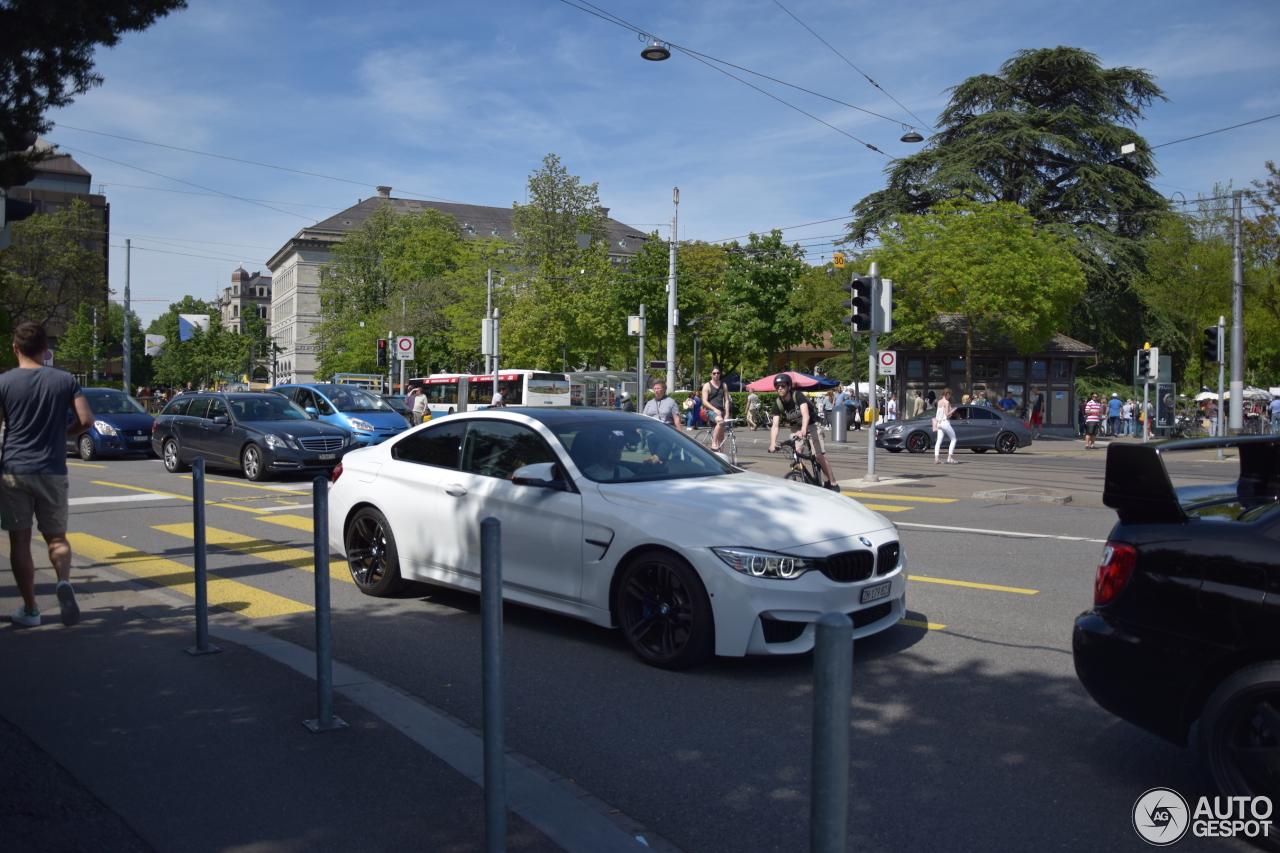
x=404, y=348
x=888, y=363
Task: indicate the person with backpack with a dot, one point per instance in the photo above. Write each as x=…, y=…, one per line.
x=801, y=415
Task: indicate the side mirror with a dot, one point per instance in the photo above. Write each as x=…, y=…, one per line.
x=545, y=475
x=221, y=420
x=311, y=410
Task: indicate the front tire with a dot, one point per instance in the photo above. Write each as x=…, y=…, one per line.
x=1239, y=732
x=85, y=447
x=1006, y=443
x=252, y=463
x=918, y=442
x=173, y=458
x=664, y=612
x=372, y=556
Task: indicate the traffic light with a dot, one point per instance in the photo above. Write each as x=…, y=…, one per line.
x=1144, y=362
x=860, y=305
x=884, y=310
x=382, y=352
x=1153, y=363
x=1213, y=344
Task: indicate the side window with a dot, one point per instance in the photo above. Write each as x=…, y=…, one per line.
x=961, y=413
x=199, y=406
x=217, y=409
x=436, y=446
x=303, y=398
x=177, y=406
x=983, y=415
x=291, y=393
x=497, y=449
x=322, y=405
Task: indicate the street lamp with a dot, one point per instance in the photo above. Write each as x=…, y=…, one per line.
x=912, y=135
x=655, y=52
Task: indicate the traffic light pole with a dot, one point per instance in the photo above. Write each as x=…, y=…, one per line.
x=1237, y=321
x=874, y=401
x=1222, y=365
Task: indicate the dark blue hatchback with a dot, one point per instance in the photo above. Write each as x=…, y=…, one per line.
x=120, y=426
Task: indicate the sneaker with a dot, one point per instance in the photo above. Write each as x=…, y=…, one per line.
x=30, y=618
x=67, y=600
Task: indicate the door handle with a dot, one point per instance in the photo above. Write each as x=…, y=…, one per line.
x=455, y=490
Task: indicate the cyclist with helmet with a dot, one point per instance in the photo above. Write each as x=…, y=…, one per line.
x=798, y=411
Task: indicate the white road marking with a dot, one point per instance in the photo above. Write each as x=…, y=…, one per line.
x=115, y=499
x=1016, y=534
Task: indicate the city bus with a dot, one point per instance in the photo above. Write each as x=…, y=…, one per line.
x=448, y=393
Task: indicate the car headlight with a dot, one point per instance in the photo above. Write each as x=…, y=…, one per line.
x=104, y=428
x=356, y=423
x=274, y=440
x=351, y=439
x=764, y=564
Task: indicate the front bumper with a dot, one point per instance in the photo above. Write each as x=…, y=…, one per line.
x=369, y=439
x=760, y=616
x=288, y=459
x=126, y=441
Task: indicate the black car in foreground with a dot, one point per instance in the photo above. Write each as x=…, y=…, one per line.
x=258, y=433
x=1185, y=627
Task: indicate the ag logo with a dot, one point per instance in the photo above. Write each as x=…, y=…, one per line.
x=1160, y=816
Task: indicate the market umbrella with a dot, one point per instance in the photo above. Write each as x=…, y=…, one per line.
x=803, y=381
x=1206, y=395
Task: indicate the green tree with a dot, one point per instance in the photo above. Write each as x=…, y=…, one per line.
x=46, y=59
x=53, y=264
x=81, y=343
x=988, y=263
x=1045, y=134
x=759, y=316
x=183, y=361
x=1262, y=277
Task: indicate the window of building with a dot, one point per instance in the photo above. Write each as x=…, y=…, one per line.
x=235, y=310
x=1017, y=369
x=935, y=370
x=986, y=370
x=1060, y=370
x=1039, y=369
x=915, y=368
x=957, y=365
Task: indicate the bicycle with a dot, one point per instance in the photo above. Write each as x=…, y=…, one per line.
x=729, y=447
x=801, y=473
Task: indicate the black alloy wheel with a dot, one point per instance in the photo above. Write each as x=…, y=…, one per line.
x=1006, y=442
x=252, y=464
x=979, y=449
x=664, y=612
x=918, y=442
x=172, y=458
x=84, y=446
x=1239, y=733
x=371, y=554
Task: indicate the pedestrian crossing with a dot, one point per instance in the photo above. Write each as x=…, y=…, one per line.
x=901, y=503
x=295, y=558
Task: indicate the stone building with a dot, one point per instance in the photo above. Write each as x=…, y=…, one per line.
x=295, y=268
x=248, y=295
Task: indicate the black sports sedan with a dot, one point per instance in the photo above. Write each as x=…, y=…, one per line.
x=977, y=428
x=257, y=433
x=1185, y=625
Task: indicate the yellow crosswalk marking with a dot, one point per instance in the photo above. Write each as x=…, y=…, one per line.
x=928, y=626
x=915, y=498
x=976, y=585
x=887, y=507
x=227, y=594
x=273, y=551
x=173, y=495
x=85, y=465
x=297, y=522
x=296, y=490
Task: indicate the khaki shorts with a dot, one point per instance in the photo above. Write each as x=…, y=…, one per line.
x=41, y=495
x=814, y=439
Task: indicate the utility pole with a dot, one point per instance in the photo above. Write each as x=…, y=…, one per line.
x=94, y=351
x=640, y=365
x=673, y=312
x=1222, y=401
x=495, y=352
x=127, y=367
x=1237, y=319
x=873, y=399
x=488, y=312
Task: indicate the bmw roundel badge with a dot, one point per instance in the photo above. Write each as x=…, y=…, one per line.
x=865, y=541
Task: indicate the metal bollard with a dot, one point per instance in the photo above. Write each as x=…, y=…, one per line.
x=202, y=646
x=325, y=720
x=495, y=752
x=832, y=689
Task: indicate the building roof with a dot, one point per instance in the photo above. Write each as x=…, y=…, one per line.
x=62, y=163
x=953, y=331
x=475, y=220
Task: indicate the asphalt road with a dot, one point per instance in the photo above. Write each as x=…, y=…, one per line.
x=971, y=731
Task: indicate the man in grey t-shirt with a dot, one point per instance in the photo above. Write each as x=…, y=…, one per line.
x=34, y=401
x=662, y=407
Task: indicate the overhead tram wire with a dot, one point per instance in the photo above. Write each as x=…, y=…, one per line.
x=854, y=67
x=1212, y=132
x=703, y=58
x=215, y=195
x=249, y=162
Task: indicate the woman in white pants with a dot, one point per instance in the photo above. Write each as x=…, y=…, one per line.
x=942, y=425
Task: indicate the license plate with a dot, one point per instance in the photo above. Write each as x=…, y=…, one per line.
x=877, y=592
x=140, y=438
x=328, y=456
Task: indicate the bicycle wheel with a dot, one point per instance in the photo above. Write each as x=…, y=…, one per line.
x=703, y=437
x=730, y=445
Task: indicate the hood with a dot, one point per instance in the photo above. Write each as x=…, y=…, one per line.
x=296, y=428
x=137, y=420
x=748, y=509
x=378, y=420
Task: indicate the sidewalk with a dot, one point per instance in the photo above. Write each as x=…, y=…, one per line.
x=135, y=746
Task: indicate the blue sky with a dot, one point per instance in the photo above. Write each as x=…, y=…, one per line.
x=462, y=100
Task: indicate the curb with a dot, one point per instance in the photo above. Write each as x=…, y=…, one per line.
x=1035, y=495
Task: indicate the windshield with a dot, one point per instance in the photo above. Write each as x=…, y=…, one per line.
x=267, y=407
x=396, y=403
x=632, y=449
x=113, y=404
x=347, y=398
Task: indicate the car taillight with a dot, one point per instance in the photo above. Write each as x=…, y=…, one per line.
x=1117, y=564
x=337, y=472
